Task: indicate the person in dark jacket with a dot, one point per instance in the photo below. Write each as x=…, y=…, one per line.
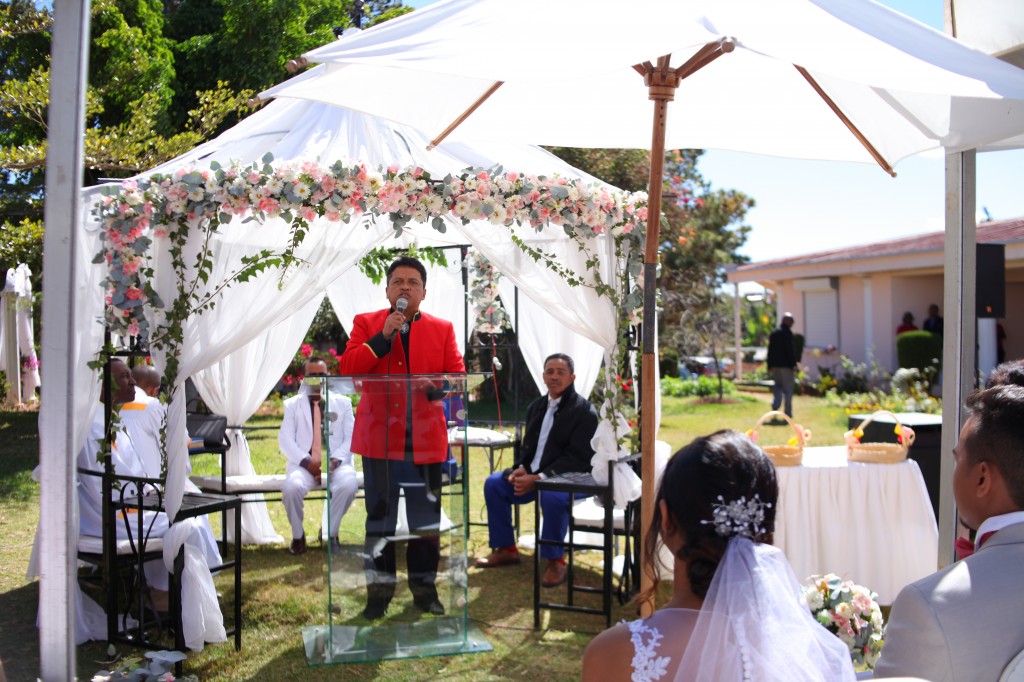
x=782, y=363
x=559, y=427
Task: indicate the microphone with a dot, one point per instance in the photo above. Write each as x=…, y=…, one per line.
x=400, y=305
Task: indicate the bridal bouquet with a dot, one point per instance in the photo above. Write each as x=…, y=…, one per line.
x=850, y=612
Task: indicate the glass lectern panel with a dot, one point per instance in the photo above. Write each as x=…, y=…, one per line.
x=395, y=578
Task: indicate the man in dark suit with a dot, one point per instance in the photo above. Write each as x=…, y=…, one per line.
x=559, y=427
x=782, y=364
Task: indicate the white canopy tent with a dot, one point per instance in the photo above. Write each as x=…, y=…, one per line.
x=295, y=131
x=905, y=86
x=238, y=351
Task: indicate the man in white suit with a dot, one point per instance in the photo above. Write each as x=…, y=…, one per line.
x=301, y=443
x=965, y=622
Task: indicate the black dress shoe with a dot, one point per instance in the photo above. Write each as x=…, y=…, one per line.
x=298, y=545
x=335, y=547
x=432, y=606
x=375, y=610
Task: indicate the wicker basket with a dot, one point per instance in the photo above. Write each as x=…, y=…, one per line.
x=879, y=453
x=783, y=455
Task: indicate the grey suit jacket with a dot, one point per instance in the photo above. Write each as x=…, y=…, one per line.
x=963, y=623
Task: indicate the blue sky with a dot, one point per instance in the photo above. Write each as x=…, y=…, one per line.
x=806, y=206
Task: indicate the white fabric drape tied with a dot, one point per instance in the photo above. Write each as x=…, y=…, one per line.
x=606, y=450
x=201, y=619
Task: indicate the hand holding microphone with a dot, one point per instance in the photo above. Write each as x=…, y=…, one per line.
x=395, y=320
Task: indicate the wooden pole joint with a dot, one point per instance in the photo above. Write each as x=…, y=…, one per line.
x=294, y=65
x=662, y=81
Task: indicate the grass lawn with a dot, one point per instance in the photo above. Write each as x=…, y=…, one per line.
x=281, y=593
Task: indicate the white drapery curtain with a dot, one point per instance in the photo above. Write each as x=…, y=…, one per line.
x=353, y=292
x=236, y=386
x=20, y=336
x=245, y=310
x=540, y=334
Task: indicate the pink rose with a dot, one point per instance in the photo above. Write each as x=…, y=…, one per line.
x=133, y=293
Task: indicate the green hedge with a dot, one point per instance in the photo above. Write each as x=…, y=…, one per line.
x=702, y=387
x=919, y=349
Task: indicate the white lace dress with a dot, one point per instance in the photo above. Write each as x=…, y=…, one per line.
x=659, y=642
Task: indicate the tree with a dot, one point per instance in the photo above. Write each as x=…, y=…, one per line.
x=246, y=44
x=701, y=230
x=696, y=248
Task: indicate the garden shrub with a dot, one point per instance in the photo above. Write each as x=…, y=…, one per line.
x=701, y=387
x=920, y=350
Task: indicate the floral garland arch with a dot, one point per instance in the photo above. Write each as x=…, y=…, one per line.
x=491, y=316
x=167, y=212
x=162, y=210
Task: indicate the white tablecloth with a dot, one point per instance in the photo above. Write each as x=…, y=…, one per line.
x=870, y=523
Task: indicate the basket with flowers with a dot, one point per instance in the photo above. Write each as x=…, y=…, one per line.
x=879, y=453
x=850, y=612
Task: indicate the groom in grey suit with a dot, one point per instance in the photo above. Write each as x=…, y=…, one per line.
x=967, y=621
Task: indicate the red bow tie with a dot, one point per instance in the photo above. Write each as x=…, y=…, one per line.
x=965, y=548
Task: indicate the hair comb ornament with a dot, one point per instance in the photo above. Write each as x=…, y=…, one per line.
x=740, y=517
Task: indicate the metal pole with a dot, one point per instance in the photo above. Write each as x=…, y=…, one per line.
x=61, y=324
x=958, y=342
x=737, y=372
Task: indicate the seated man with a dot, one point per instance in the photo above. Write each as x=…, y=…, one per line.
x=125, y=462
x=559, y=427
x=142, y=419
x=964, y=622
x=300, y=440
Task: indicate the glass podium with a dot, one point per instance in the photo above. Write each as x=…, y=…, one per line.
x=395, y=579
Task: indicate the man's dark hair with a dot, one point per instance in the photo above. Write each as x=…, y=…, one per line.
x=407, y=262
x=311, y=360
x=146, y=376
x=1007, y=374
x=565, y=358
x=998, y=437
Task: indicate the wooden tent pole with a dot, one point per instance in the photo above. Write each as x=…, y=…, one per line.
x=875, y=154
x=661, y=82
x=465, y=114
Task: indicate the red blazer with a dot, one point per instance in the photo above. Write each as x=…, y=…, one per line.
x=385, y=410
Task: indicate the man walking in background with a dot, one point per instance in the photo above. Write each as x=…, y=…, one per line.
x=782, y=364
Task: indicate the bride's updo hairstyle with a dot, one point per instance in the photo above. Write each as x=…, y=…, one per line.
x=715, y=488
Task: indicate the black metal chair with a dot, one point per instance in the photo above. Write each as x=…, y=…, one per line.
x=581, y=486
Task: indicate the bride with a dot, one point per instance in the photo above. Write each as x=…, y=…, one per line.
x=736, y=611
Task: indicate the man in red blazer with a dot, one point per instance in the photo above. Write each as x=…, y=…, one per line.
x=401, y=432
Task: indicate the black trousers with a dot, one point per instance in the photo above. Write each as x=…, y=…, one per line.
x=382, y=480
